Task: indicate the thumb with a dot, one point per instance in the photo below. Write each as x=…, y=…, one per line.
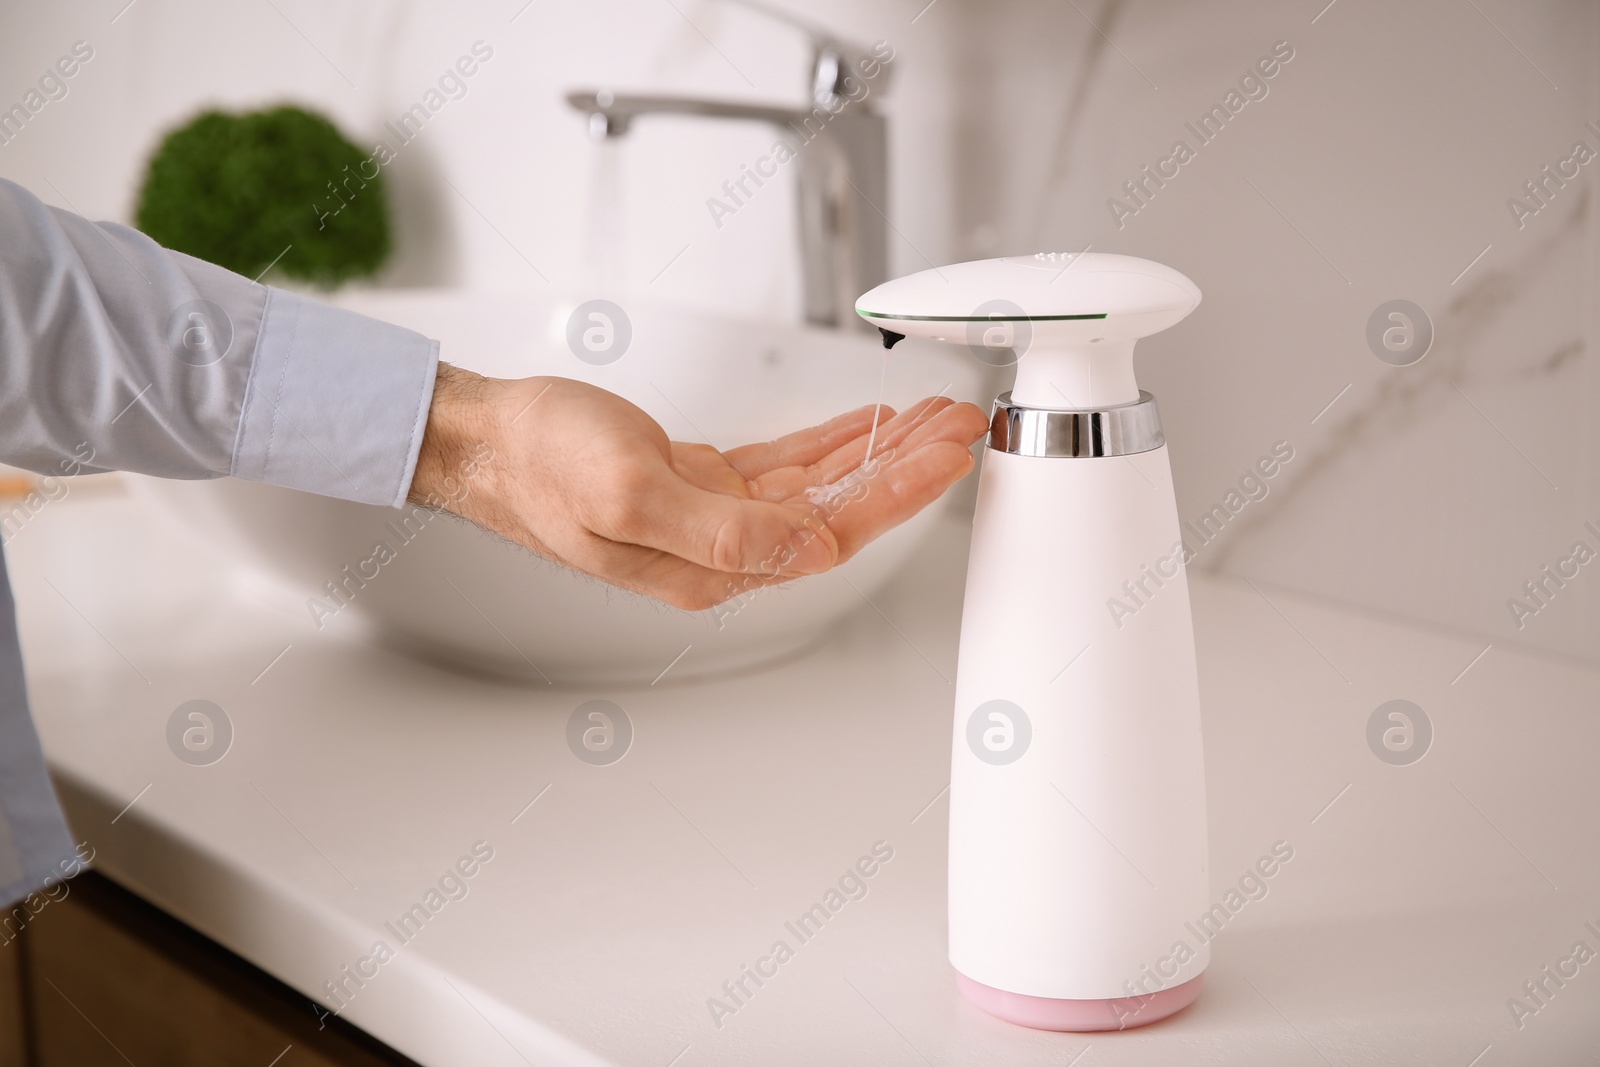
x=732, y=534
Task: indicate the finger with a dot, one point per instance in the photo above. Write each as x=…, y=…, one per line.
x=658, y=509
x=805, y=447
x=704, y=466
x=899, y=489
x=661, y=575
x=896, y=434
x=847, y=458
x=963, y=423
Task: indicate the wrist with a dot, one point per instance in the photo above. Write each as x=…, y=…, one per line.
x=457, y=441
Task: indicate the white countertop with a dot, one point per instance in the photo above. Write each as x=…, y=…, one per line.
x=1415, y=906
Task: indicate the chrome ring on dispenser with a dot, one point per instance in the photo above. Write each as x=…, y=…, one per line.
x=1120, y=431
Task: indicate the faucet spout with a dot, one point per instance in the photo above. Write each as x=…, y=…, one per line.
x=619, y=110
x=839, y=154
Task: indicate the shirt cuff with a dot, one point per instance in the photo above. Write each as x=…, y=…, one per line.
x=336, y=402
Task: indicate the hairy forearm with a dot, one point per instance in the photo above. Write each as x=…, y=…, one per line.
x=458, y=442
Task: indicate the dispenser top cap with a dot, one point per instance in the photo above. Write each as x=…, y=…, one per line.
x=1131, y=297
x=1068, y=320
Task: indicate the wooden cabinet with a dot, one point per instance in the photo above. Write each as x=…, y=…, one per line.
x=13, y=1052
x=105, y=979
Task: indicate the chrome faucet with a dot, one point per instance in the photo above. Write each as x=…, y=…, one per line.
x=840, y=156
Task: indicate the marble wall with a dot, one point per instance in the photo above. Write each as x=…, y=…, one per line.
x=1375, y=165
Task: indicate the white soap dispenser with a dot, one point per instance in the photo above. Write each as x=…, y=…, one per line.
x=1077, y=785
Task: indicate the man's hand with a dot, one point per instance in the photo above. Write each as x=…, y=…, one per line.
x=586, y=479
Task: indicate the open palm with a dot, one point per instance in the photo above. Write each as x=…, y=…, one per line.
x=589, y=480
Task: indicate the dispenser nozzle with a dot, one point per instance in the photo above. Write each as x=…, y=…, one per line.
x=890, y=338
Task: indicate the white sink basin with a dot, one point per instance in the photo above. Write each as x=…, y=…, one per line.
x=459, y=595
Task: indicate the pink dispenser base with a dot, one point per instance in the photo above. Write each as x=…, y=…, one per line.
x=1079, y=1016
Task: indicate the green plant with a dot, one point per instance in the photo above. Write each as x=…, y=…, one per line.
x=238, y=190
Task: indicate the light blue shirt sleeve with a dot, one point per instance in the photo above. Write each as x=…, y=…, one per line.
x=116, y=354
